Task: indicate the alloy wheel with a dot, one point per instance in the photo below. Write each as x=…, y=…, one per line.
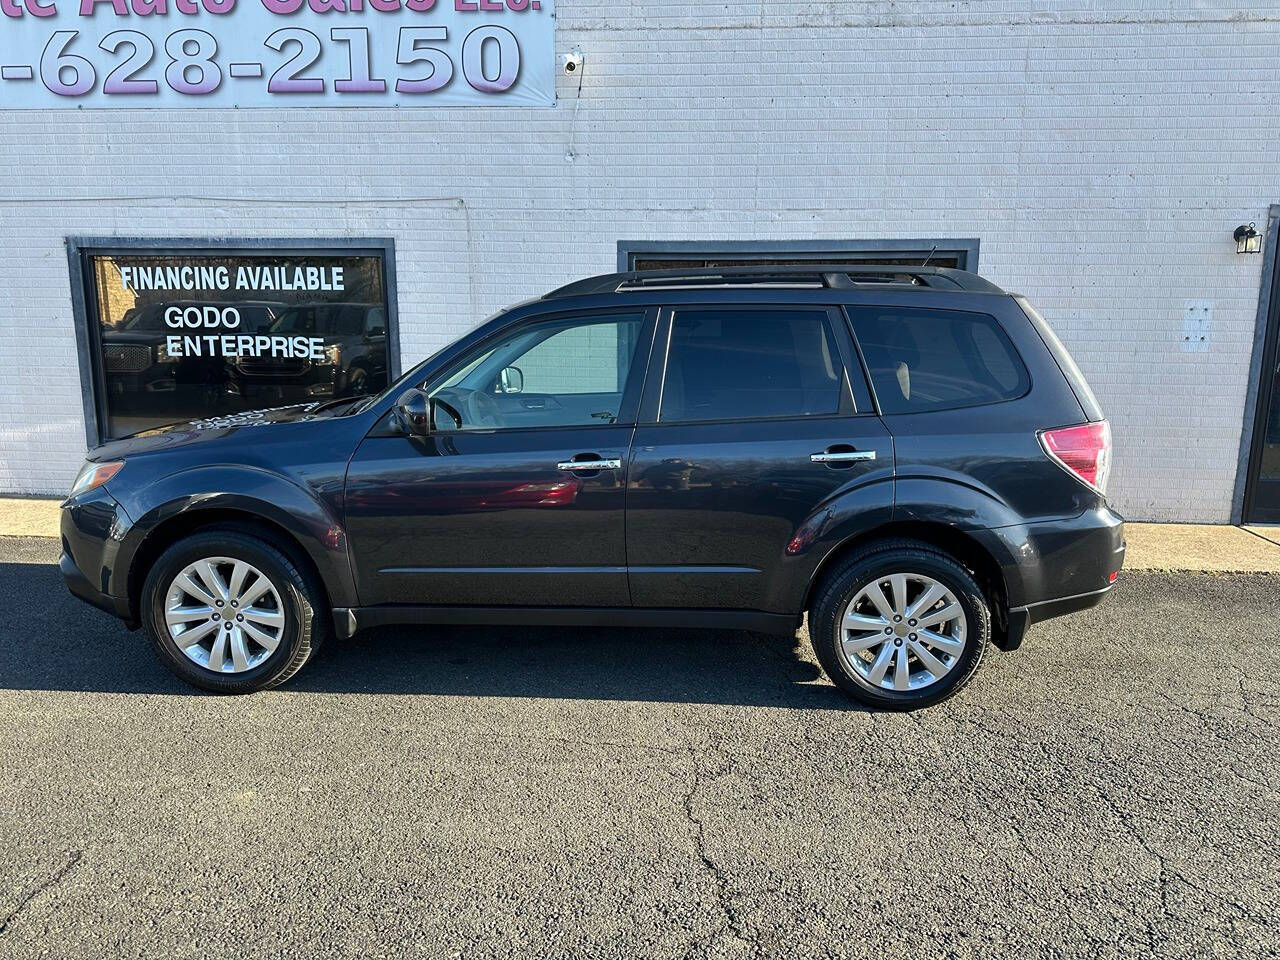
x=902, y=632
x=224, y=614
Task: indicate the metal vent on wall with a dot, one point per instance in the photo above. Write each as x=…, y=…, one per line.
x=680, y=263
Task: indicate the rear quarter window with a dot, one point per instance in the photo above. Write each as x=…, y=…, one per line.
x=921, y=359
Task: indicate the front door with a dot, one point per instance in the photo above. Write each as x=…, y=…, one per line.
x=756, y=427
x=504, y=503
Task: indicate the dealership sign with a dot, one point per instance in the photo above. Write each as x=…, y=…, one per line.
x=188, y=333
x=276, y=53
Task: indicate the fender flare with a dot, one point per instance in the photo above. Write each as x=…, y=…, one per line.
x=311, y=524
x=935, y=508
x=951, y=499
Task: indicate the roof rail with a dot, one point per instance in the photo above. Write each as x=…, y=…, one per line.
x=831, y=276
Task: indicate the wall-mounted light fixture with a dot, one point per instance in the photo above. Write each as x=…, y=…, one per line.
x=1248, y=239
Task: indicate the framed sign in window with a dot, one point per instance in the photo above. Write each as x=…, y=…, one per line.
x=177, y=330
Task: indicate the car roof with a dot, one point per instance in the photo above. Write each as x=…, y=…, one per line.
x=829, y=276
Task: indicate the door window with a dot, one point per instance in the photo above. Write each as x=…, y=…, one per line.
x=581, y=359
x=750, y=364
x=554, y=374
x=922, y=360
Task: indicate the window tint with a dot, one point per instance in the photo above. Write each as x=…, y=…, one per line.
x=738, y=365
x=937, y=359
x=559, y=373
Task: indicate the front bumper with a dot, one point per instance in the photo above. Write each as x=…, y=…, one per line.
x=94, y=526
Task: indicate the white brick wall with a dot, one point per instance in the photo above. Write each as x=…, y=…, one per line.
x=1103, y=152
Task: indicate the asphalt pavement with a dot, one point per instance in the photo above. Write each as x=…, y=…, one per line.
x=1109, y=790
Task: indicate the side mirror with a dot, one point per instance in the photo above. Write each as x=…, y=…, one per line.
x=415, y=413
x=511, y=380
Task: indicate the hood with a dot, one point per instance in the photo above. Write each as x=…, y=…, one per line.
x=208, y=429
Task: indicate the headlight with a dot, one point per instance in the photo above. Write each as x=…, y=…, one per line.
x=333, y=353
x=162, y=352
x=94, y=475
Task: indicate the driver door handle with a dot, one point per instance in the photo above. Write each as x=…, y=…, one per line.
x=584, y=466
x=842, y=455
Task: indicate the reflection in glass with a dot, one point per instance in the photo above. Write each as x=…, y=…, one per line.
x=198, y=336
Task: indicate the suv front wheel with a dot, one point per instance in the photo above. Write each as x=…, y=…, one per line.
x=900, y=626
x=231, y=613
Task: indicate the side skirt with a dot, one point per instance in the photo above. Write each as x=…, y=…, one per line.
x=348, y=620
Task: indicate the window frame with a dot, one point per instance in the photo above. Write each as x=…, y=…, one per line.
x=632, y=391
x=81, y=251
x=855, y=400
x=851, y=309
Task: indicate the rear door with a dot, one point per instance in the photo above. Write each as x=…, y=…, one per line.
x=750, y=426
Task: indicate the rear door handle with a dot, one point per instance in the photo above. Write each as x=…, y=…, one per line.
x=835, y=455
x=587, y=466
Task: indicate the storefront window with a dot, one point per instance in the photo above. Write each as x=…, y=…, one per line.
x=188, y=336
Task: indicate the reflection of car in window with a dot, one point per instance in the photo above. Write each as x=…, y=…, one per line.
x=355, y=355
x=137, y=363
x=255, y=316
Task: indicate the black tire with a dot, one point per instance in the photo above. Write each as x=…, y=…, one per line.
x=880, y=560
x=306, y=614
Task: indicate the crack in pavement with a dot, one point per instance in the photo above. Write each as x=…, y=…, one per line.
x=1168, y=872
x=732, y=922
x=1248, y=706
x=58, y=876
x=1209, y=721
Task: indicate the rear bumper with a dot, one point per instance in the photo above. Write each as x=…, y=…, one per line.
x=1057, y=567
x=1021, y=618
x=1060, y=607
x=94, y=526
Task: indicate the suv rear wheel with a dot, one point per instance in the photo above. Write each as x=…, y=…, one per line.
x=899, y=626
x=231, y=613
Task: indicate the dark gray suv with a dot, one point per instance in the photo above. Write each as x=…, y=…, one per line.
x=909, y=456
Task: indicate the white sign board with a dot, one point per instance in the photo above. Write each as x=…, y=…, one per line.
x=276, y=53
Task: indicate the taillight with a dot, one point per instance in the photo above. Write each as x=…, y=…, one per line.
x=1084, y=451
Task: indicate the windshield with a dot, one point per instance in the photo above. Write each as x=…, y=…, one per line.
x=408, y=377
x=143, y=318
x=397, y=386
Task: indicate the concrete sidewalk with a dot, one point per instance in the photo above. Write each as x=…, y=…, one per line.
x=1217, y=548
x=21, y=517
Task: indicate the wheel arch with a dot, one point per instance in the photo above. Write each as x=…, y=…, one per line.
x=960, y=544
x=178, y=525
